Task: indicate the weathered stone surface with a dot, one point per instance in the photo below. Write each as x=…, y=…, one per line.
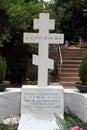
x=39, y=105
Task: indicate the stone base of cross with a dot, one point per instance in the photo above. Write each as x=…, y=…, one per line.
x=43, y=38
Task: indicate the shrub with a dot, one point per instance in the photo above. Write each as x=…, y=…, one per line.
x=3, y=68
x=83, y=69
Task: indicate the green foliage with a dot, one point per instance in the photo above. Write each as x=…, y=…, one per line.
x=70, y=117
x=31, y=82
x=16, y=17
x=83, y=69
x=62, y=124
x=70, y=120
x=18, y=58
x=19, y=62
x=71, y=18
x=3, y=68
x=8, y=127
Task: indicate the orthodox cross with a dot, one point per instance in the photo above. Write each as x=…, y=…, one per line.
x=43, y=38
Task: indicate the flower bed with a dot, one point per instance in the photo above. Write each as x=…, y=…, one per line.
x=71, y=122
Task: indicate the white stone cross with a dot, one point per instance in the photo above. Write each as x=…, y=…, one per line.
x=43, y=38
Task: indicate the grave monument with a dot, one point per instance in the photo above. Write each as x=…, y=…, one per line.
x=40, y=102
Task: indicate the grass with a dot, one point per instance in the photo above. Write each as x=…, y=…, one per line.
x=8, y=127
x=70, y=120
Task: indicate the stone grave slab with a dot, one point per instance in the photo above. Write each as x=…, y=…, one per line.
x=38, y=106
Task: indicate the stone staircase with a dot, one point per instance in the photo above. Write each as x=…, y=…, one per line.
x=69, y=69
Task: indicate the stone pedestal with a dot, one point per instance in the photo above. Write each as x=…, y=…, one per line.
x=38, y=105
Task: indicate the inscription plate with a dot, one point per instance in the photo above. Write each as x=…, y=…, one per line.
x=35, y=38
x=42, y=100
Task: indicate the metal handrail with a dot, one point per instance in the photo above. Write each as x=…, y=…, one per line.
x=61, y=59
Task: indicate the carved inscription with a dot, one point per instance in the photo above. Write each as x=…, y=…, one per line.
x=42, y=100
x=28, y=37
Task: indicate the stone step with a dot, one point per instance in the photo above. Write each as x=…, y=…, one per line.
x=65, y=65
x=68, y=79
x=69, y=70
x=68, y=84
x=72, y=50
x=72, y=53
x=72, y=58
x=70, y=66
x=66, y=74
x=71, y=61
